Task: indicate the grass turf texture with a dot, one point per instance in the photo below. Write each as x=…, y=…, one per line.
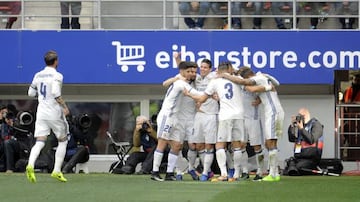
x=110, y=187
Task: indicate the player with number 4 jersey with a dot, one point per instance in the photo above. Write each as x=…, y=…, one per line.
x=50, y=115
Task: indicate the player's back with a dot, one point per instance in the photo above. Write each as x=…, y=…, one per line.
x=269, y=99
x=48, y=83
x=231, y=106
x=250, y=111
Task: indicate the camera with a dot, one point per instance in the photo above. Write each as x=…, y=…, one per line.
x=145, y=126
x=83, y=121
x=299, y=118
x=26, y=118
x=8, y=115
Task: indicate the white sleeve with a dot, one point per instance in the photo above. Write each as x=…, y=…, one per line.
x=56, y=86
x=32, y=91
x=274, y=81
x=210, y=87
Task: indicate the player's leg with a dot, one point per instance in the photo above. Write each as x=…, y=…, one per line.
x=60, y=129
x=41, y=129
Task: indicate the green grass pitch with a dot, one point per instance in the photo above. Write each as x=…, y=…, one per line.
x=110, y=187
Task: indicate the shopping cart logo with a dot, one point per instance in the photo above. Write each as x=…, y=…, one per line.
x=127, y=55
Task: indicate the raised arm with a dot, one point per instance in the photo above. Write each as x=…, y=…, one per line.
x=171, y=80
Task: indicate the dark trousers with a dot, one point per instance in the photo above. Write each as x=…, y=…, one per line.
x=15, y=150
x=140, y=157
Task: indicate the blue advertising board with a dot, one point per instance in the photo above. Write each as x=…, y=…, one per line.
x=145, y=57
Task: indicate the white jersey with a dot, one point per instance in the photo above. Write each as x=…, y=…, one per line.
x=269, y=99
x=187, y=106
x=174, y=98
x=250, y=111
x=272, y=111
x=47, y=86
x=210, y=106
x=231, y=106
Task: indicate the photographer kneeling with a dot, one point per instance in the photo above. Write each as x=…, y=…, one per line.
x=144, y=136
x=307, y=134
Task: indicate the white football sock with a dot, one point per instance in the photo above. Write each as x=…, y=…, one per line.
x=60, y=155
x=35, y=151
x=158, y=155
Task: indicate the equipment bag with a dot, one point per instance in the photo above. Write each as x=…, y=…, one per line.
x=332, y=165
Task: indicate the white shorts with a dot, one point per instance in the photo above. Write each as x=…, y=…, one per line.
x=253, y=131
x=60, y=128
x=231, y=130
x=170, y=128
x=164, y=126
x=205, y=128
x=182, y=129
x=272, y=126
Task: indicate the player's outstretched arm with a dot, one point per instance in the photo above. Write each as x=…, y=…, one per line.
x=171, y=80
x=259, y=88
x=236, y=79
x=200, y=98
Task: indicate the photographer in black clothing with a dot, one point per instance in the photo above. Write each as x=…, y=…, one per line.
x=18, y=143
x=307, y=134
x=144, y=136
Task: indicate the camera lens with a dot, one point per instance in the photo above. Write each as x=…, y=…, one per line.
x=145, y=126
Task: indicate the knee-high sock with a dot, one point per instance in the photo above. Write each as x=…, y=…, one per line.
x=172, y=159
x=192, y=154
x=237, y=161
x=60, y=155
x=208, y=160
x=158, y=155
x=178, y=163
x=259, y=157
x=221, y=160
x=35, y=151
x=229, y=159
x=201, y=154
x=244, y=161
x=273, y=154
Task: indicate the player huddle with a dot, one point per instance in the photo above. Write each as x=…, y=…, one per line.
x=218, y=113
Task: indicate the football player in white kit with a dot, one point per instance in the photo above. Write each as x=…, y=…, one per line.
x=231, y=120
x=51, y=111
x=170, y=127
x=206, y=122
x=272, y=117
x=201, y=142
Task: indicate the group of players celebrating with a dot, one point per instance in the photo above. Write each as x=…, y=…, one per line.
x=219, y=112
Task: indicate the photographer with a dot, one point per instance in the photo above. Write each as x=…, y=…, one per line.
x=77, y=150
x=144, y=136
x=307, y=134
x=18, y=143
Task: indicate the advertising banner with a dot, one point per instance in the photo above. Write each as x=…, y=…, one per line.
x=145, y=57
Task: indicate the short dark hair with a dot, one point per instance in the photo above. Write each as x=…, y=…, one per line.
x=182, y=65
x=50, y=57
x=187, y=65
x=245, y=72
x=224, y=65
x=192, y=64
x=207, y=61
